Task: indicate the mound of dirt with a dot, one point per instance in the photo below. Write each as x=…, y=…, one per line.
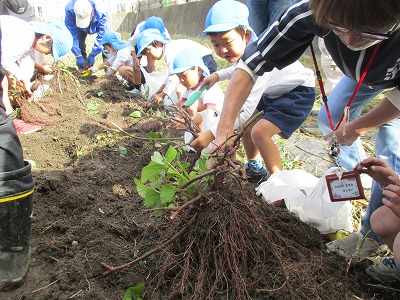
x=87, y=211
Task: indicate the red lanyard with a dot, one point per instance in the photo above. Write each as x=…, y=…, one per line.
x=321, y=85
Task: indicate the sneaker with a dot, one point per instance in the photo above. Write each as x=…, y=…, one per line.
x=255, y=175
x=25, y=128
x=135, y=91
x=384, y=270
x=355, y=247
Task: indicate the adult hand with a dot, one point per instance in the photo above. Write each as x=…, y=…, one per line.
x=91, y=60
x=80, y=62
x=346, y=135
x=378, y=169
x=210, y=80
x=202, y=141
x=392, y=191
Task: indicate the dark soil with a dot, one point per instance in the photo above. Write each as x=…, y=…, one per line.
x=87, y=211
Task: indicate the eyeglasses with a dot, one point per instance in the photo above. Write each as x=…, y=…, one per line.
x=365, y=35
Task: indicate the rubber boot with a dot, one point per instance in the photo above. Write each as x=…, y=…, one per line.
x=16, y=200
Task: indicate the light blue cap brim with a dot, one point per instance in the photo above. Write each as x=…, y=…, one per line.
x=216, y=28
x=148, y=36
x=60, y=35
x=114, y=38
x=187, y=59
x=180, y=70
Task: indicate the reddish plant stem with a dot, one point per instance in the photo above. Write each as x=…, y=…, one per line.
x=189, y=203
x=111, y=269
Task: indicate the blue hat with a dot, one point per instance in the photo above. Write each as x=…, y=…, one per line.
x=187, y=59
x=114, y=38
x=60, y=35
x=226, y=15
x=148, y=36
x=156, y=23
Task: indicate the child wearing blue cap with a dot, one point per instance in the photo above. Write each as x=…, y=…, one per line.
x=191, y=70
x=287, y=95
x=18, y=58
x=150, y=22
x=119, y=60
x=154, y=46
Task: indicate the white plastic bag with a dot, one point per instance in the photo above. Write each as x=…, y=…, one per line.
x=307, y=196
x=153, y=82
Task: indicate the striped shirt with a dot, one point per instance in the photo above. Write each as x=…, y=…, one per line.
x=290, y=35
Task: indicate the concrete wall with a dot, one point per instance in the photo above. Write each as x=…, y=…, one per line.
x=186, y=19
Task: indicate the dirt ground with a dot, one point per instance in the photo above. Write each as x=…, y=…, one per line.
x=87, y=209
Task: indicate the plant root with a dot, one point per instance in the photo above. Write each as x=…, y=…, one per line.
x=235, y=250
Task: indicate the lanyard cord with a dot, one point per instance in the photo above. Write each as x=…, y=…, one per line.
x=321, y=86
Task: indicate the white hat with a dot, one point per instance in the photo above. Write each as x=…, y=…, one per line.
x=83, y=11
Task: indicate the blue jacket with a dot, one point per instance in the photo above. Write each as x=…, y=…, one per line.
x=99, y=25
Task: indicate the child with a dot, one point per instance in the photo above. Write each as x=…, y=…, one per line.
x=288, y=93
x=354, y=41
x=385, y=221
x=150, y=22
x=153, y=45
x=18, y=56
x=190, y=69
x=119, y=60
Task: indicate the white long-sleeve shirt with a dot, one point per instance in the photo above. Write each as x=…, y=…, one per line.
x=123, y=57
x=17, y=51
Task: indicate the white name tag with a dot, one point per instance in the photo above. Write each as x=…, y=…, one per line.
x=349, y=187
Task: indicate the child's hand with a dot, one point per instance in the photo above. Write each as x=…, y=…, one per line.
x=47, y=69
x=94, y=69
x=392, y=191
x=202, y=141
x=157, y=98
x=210, y=80
x=378, y=169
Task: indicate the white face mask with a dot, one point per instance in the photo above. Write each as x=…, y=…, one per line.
x=363, y=47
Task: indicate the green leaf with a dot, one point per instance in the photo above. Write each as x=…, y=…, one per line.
x=122, y=151
x=157, y=158
x=151, y=171
x=173, y=172
x=153, y=134
x=152, y=197
x=158, y=213
x=192, y=175
x=134, y=292
x=141, y=188
x=167, y=194
x=171, y=154
x=135, y=114
x=205, y=153
x=92, y=105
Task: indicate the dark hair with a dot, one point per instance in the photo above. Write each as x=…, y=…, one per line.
x=241, y=29
x=357, y=15
x=38, y=35
x=107, y=44
x=48, y=44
